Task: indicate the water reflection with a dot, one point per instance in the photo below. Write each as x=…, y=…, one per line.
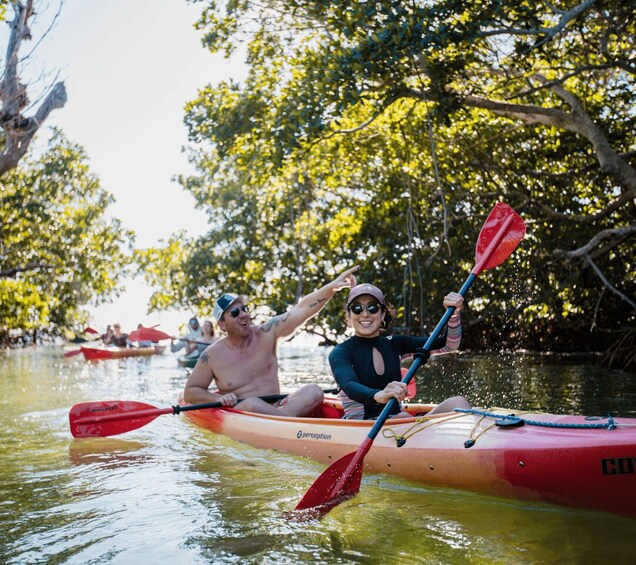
x=529, y=383
x=170, y=491
x=105, y=452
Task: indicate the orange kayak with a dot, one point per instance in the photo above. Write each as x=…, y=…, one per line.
x=566, y=460
x=93, y=353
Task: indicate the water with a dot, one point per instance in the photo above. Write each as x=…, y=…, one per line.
x=171, y=492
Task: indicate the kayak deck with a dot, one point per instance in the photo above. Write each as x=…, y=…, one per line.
x=559, y=459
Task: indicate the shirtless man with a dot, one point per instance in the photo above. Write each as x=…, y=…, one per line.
x=244, y=364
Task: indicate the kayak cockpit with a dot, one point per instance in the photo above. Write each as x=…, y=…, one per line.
x=331, y=408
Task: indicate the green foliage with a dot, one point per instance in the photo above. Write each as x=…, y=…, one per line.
x=58, y=250
x=382, y=133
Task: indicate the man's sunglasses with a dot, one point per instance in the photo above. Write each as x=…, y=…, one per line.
x=234, y=312
x=371, y=308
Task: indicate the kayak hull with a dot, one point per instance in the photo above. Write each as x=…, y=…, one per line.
x=577, y=467
x=188, y=362
x=95, y=353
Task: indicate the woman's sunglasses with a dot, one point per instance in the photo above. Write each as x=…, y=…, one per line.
x=234, y=312
x=371, y=308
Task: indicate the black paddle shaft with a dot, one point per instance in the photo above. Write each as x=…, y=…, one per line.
x=177, y=409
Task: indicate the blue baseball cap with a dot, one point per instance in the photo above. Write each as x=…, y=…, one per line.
x=224, y=302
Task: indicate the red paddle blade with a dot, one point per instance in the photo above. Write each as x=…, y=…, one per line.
x=339, y=482
x=111, y=417
x=498, y=238
x=90, y=330
x=411, y=387
x=72, y=353
x=411, y=390
x=151, y=334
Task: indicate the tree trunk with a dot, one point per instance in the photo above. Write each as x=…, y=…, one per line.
x=19, y=129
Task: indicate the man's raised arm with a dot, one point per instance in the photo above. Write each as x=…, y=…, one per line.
x=286, y=324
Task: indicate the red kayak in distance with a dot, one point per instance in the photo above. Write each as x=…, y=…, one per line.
x=96, y=353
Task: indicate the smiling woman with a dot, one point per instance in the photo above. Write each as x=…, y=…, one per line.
x=367, y=365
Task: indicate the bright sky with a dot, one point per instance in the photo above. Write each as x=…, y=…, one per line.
x=129, y=67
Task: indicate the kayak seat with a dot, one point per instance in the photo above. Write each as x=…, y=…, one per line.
x=328, y=410
x=352, y=410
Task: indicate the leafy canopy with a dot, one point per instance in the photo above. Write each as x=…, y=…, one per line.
x=59, y=249
x=382, y=132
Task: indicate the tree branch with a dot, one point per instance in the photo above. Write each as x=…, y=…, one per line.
x=600, y=237
x=613, y=205
x=548, y=33
x=19, y=130
x=11, y=273
x=607, y=284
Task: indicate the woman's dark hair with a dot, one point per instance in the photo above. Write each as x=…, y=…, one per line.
x=389, y=316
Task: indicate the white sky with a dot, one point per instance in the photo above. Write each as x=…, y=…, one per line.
x=129, y=67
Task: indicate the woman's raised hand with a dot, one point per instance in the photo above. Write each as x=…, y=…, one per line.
x=454, y=299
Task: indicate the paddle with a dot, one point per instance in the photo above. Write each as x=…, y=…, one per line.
x=153, y=334
x=78, y=351
x=112, y=417
x=499, y=236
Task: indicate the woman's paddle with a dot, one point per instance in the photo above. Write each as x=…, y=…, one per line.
x=499, y=236
x=112, y=417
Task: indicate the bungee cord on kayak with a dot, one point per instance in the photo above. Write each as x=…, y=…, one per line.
x=610, y=425
x=424, y=422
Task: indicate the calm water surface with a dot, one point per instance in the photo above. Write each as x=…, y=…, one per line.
x=173, y=493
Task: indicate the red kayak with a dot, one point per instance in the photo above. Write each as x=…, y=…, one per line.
x=566, y=460
x=94, y=353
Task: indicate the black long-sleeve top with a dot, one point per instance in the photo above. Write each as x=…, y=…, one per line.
x=352, y=366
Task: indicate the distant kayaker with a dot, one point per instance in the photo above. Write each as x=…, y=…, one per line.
x=140, y=342
x=244, y=364
x=367, y=365
x=188, y=339
x=107, y=335
x=117, y=338
x=207, y=336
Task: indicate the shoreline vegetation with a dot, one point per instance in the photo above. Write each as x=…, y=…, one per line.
x=16, y=339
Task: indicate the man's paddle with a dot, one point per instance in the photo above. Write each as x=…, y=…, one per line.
x=500, y=234
x=112, y=417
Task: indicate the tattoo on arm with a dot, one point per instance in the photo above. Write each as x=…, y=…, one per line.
x=317, y=302
x=204, y=359
x=275, y=321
